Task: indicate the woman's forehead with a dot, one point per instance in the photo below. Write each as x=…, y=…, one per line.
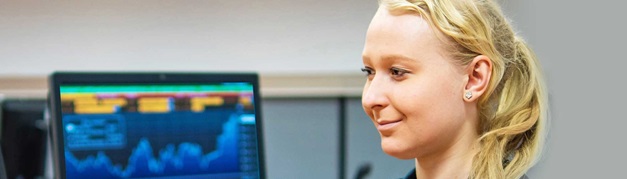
x=404, y=34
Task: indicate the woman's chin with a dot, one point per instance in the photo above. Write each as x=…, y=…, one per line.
x=396, y=149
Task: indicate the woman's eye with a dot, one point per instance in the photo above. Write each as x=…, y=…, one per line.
x=367, y=71
x=397, y=72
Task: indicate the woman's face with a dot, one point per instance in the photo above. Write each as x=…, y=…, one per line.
x=414, y=92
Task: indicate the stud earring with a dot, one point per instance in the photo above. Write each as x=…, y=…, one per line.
x=468, y=95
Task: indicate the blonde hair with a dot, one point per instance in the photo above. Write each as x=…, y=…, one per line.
x=513, y=110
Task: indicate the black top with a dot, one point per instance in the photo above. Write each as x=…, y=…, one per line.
x=412, y=175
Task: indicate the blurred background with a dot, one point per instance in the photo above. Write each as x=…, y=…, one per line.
x=308, y=54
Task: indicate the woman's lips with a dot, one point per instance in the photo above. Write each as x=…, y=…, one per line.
x=387, y=125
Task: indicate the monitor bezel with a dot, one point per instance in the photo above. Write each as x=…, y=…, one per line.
x=59, y=79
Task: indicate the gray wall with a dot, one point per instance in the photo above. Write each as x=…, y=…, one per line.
x=302, y=36
x=580, y=44
x=301, y=138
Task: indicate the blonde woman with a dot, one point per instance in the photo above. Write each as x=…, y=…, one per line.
x=450, y=85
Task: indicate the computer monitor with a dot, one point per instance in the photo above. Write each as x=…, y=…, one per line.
x=156, y=125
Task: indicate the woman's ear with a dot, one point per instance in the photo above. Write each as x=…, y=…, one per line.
x=479, y=72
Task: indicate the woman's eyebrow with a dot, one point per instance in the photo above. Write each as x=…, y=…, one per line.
x=389, y=59
x=398, y=57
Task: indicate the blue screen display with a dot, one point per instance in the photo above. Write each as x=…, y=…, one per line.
x=164, y=131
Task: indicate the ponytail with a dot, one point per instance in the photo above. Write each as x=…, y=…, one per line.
x=513, y=135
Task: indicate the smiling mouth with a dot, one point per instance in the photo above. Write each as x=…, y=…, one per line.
x=387, y=126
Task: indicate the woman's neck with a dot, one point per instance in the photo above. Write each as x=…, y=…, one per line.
x=453, y=163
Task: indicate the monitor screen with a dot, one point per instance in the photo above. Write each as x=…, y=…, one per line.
x=165, y=130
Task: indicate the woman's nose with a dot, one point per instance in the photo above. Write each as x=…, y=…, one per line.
x=375, y=94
